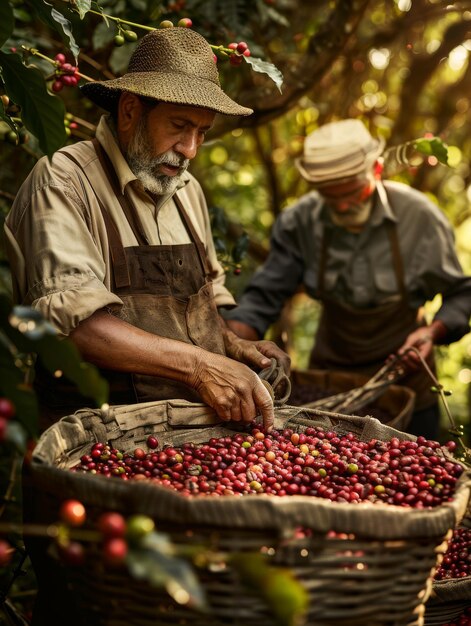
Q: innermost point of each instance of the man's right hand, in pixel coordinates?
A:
(232, 389)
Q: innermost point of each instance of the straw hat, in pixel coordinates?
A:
(337, 151)
(170, 65)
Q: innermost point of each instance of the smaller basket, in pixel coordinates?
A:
(394, 407)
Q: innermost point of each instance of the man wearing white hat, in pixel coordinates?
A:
(111, 241)
(373, 252)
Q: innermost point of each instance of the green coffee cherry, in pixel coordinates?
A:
(129, 35)
(118, 40)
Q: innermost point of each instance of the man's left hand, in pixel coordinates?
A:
(422, 339)
(255, 353)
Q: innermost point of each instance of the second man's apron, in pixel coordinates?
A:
(359, 340)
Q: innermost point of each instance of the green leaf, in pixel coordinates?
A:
(154, 562)
(102, 36)
(7, 21)
(286, 597)
(29, 332)
(41, 112)
(44, 12)
(432, 147)
(240, 248)
(264, 67)
(12, 386)
(83, 7)
(64, 22)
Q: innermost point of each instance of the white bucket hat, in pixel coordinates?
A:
(338, 150)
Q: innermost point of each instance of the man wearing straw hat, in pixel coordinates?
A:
(111, 241)
(373, 252)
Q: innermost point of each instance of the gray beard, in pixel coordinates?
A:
(355, 218)
(145, 167)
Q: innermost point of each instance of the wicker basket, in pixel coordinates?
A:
(449, 598)
(380, 574)
(396, 402)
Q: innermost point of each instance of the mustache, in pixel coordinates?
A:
(170, 158)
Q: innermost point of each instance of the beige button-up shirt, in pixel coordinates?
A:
(56, 238)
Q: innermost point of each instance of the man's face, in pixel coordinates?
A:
(165, 139)
(349, 201)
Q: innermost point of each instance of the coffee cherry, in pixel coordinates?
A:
(241, 47)
(139, 526)
(166, 24)
(115, 551)
(7, 409)
(3, 428)
(152, 442)
(6, 552)
(185, 22)
(234, 59)
(232, 46)
(129, 35)
(57, 86)
(72, 512)
(72, 553)
(60, 58)
(5, 100)
(112, 525)
(118, 40)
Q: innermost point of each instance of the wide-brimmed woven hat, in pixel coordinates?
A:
(338, 150)
(170, 65)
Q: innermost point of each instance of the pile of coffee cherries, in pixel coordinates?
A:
(316, 462)
(457, 560)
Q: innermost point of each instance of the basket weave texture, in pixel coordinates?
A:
(396, 401)
(379, 573)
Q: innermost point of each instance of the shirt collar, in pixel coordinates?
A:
(109, 143)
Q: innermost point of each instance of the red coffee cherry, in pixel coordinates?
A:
(72, 553)
(6, 552)
(72, 512)
(7, 408)
(112, 524)
(115, 551)
(185, 22)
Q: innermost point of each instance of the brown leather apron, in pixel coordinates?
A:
(165, 289)
(359, 340)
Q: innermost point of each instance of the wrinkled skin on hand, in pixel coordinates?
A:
(257, 354)
(423, 339)
(232, 389)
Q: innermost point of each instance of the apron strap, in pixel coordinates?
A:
(128, 210)
(193, 234)
(119, 265)
(396, 259)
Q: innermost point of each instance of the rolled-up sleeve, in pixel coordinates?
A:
(56, 260)
(438, 271)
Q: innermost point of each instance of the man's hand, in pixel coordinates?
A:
(233, 390)
(423, 339)
(257, 353)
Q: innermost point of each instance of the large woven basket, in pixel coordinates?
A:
(393, 407)
(449, 598)
(381, 574)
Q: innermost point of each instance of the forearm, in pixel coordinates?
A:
(243, 330)
(112, 343)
